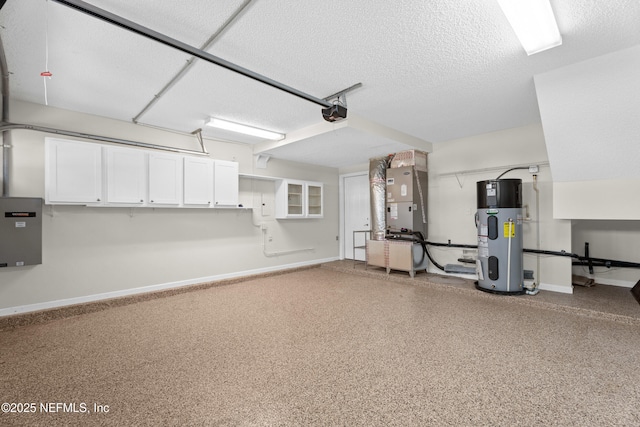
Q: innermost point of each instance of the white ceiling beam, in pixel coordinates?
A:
(353, 121)
(299, 135)
(365, 125)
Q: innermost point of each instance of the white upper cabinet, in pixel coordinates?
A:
(73, 172)
(313, 192)
(290, 199)
(298, 199)
(165, 179)
(126, 175)
(85, 173)
(225, 184)
(198, 181)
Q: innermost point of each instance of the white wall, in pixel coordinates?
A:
(589, 111)
(90, 251)
(454, 169)
(616, 240)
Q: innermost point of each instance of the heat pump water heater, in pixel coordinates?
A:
(499, 222)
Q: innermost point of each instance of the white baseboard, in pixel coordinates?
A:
(556, 288)
(152, 288)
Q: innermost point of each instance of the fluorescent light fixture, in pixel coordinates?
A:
(244, 129)
(533, 23)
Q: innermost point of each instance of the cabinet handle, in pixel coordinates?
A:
(141, 201)
(151, 201)
(98, 200)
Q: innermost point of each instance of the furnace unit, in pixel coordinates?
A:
(399, 192)
(406, 200)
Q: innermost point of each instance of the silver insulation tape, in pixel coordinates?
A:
(378, 192)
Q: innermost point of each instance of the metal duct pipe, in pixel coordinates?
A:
(6, 135)
(191, 61)
(198, 53)
(378, 191)
(10, 126)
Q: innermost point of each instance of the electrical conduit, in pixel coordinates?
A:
(6, 134)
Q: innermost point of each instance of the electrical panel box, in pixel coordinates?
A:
(20, 231)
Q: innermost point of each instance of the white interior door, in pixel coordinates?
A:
(356, 215)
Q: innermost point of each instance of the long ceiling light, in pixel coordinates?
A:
(534, 24)
(244, 129)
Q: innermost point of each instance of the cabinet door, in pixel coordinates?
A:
(73, 172)
(225, 184)
(290, 199)
(314, 199)
(295, 199)
(165, 179)
(198, 181)
(126, 175)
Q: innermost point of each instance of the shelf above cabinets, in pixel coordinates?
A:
(81, 173)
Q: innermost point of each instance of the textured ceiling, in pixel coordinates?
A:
(437, 70)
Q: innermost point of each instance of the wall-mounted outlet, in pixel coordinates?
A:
(533, 169)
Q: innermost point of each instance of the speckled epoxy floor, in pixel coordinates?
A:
(324, 347)
(600, 300)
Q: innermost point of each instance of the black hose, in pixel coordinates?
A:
(452, 245)
(423, 243)
(416, 236)
(581, 260)
(512, 169)
(534, 251)
(555, 253)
